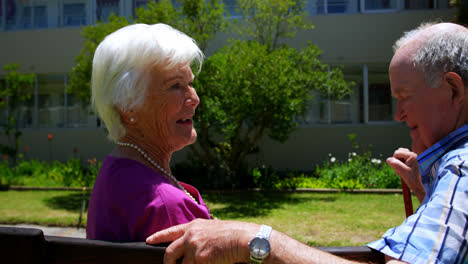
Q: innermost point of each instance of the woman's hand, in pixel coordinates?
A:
(206, 241)
(405, 164)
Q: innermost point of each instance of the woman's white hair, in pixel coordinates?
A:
(122, 65)
(441, 52)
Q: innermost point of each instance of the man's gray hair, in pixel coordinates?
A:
(123, 63)
(440, 52)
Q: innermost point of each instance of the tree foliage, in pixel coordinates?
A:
(17, 89)
(255, 88)
(269, 21)
(462, 11)
(199, 19)
(80, 76)
(248, 92)
(249, 89)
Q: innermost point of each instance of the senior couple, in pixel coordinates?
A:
(142, 90)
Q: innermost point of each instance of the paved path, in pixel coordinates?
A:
(57, 231)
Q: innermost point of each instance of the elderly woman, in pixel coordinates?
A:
(142, 90)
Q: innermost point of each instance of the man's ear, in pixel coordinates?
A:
(457, 87)
(128, 116)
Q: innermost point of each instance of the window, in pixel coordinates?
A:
(426, 4)
(332, 6)
(231, 7)
(105, 8)
(74, 14)
(51, 101)
(140, 3)
(322, 110)
(378, 5)
(39, 16)
(13, 10)
(380, 102)
(23, 112)
(2, 9)
(79, 115)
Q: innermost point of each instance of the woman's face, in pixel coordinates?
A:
(165, 119)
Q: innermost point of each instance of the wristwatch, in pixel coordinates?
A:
(259, 246)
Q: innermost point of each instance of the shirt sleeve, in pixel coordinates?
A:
(170, 206)
(437, 231)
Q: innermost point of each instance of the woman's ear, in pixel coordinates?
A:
(457, 87)
(127, 117)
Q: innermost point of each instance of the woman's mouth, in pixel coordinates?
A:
(185, 121)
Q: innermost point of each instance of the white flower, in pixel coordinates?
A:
(332, 159)
(329, 154)
(354, 153)
(349, 160)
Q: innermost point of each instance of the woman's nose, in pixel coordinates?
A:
(191, 97)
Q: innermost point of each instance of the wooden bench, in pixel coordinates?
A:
(29, 245)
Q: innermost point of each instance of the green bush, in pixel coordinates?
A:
(361, 170)
(72, 173)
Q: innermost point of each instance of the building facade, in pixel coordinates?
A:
(43, 36)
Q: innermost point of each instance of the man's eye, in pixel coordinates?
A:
(176, 86)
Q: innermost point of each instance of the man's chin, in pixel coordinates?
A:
(418, 148)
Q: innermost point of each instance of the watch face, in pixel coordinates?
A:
(259, 247)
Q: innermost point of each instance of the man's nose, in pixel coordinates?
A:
(399, 113)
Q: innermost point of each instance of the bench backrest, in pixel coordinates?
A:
(29, 245)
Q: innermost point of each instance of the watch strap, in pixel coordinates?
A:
(255, 260)
(265, 232)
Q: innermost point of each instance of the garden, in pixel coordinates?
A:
(340, 218)
(233, 116)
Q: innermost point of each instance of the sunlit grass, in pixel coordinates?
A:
(318, 219)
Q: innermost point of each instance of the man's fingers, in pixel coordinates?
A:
(397, 165)
(175, 251)
(406, 156)
(166, 235)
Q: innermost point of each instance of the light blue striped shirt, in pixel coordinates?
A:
(437, 231)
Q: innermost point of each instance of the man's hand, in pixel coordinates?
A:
(206, 241)
(405, 164)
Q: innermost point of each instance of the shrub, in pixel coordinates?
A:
(72, 173)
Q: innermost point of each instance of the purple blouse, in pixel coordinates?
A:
(130, 201)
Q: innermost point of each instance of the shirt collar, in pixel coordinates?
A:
(432, 154)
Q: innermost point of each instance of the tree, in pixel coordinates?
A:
(248, 92)
(462, 12)
(16, 90)
(269, 21)
(199, 19)
(254, 88)
(80, 76)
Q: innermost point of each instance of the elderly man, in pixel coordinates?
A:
(429, 77)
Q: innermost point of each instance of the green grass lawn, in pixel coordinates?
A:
(318, 219)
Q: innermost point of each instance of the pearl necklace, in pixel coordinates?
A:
(165, 173)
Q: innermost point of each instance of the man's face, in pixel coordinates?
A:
(428, 112)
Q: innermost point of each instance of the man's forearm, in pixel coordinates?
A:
(287, 250)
